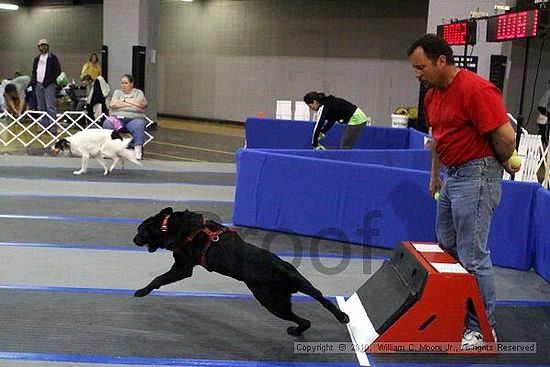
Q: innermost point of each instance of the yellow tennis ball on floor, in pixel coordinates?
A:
(436, 196)
(515, 161)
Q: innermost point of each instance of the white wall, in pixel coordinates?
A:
(232, 59)
(129, 23)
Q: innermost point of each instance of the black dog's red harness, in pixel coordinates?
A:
(212, 237)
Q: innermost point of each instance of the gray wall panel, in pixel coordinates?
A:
(232, 59)
(74, 32)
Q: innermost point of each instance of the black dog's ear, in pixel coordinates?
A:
(167, 211)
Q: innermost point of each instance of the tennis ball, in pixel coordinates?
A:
(515, 161)
(436, 196)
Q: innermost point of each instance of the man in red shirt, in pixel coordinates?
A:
(474, 140)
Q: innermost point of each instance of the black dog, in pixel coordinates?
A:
(197, 241)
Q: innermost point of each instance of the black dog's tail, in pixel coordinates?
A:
(115, 135)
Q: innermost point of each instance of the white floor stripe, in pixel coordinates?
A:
(148, 164)
(362, 357)
(120, 190)
(84, 268)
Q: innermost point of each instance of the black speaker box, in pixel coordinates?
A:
(497, 72)
(105, 62)
(138, 67)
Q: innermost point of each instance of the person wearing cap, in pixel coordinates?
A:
(45, 70)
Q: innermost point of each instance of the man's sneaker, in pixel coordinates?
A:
(474, 339)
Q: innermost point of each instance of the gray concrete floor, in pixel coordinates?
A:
(36, 227)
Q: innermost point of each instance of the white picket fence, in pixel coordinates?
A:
(26, 130)
(533, 156)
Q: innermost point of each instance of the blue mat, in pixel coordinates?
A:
(287, 134)
(359, 203)
(376, 195)
(542, 233)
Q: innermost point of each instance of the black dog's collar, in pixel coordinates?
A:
(164, 225)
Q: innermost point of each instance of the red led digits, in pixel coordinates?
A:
(459, 33)
(455, 34)
(511, 26)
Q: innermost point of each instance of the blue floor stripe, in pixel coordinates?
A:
(98, 247)
(454, 365)
(120, 360)
(298, 298)
(523, 303)
(295, 297)
(80, 218)
(75, 219)
(74, 246)
(160, 183)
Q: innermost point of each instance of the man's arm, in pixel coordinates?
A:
(435, 176)
(503, 139)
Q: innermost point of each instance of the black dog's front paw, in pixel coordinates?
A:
(294, 331)
(343, 318)
(142, 292)
(298, 330)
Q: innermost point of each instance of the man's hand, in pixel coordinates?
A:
(513, 165)
(435, 184)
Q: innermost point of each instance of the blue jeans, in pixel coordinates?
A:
(136, 127)
(45, 98)
(469, 196)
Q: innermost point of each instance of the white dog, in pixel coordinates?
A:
(97, 143)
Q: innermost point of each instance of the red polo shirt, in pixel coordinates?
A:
(461, 117)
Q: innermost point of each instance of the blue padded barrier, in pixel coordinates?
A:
(419, 159)
(417, 139)
(511, 239)
(351, 202)
(542, 233)
(335, 194)
(289, 134)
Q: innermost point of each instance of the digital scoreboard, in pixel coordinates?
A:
(516, 25)
(459, 33)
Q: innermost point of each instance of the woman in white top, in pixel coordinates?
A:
(128, 105)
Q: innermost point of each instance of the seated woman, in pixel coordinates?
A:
(91, 67)
(128, 105)
(15, 105)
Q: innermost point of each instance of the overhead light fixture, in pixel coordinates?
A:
(4, 6)
(187, 1)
